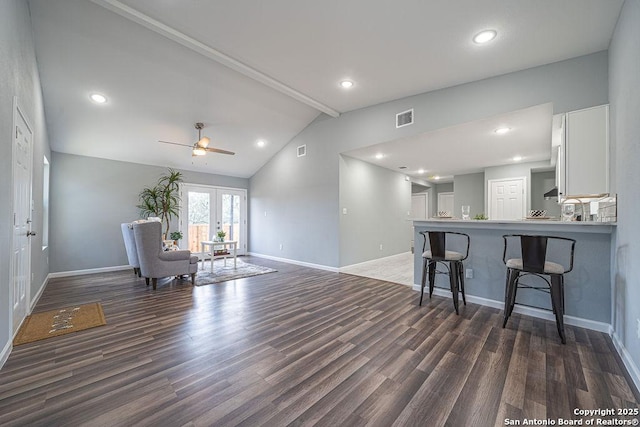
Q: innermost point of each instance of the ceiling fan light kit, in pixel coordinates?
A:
(201, 146)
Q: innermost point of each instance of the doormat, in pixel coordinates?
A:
(222, 273)
(63, 321)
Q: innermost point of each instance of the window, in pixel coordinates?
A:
(45, 204)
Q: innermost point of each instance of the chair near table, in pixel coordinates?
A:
(451, 260)
(533, 262)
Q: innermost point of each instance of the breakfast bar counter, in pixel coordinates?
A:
(587, 287)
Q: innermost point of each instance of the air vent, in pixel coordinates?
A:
(404, 119)
(302, 150)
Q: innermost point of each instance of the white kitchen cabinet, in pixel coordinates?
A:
(586, 152)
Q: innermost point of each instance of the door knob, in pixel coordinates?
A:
(31, 233)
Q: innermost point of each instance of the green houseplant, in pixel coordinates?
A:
(163, 199)
(175, 236)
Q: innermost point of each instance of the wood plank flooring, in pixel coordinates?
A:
(300, 347)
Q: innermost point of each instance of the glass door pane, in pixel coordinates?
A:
(199, 219)
(230, 216)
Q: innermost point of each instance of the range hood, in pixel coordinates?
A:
(551, 193)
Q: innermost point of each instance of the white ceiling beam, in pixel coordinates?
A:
(211, 53)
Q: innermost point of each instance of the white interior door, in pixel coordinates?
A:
(207, 210)
(419, 206)
(445, 203)
(507, 198)
(21, 247)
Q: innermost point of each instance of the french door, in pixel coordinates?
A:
(208, 210)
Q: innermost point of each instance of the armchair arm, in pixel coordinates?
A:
(179, 255)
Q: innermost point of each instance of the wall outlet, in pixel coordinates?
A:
(344, 211)
(281, 246)
(380, 246)
(638, 328)
(468, 274)
(265, 213)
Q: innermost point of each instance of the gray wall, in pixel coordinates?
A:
(541, 182)
(378, 203)
(19, 77)
(511, 171)
(468, 190)
(91, 197)
(301, 194)
(624, 81)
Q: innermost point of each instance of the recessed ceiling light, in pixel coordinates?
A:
(261, 143)
(517, 158)
(420, 171)
(98, 98)
(346, 84)
(502, 131)
(379, 156)
(436, 177)
(485, 36)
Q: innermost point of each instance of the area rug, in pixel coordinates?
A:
(222, 273)
(63, 321)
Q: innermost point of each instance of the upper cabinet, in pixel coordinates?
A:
(583, 152)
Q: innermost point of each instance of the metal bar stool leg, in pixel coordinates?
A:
(424, 278)
(461, 281)
(509, 294)
(556, 302)
(432, 277)
(453, 281)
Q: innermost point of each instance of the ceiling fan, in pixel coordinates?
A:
(200, 147)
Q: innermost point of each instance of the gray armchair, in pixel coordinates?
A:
(130, 246)
(156, 263)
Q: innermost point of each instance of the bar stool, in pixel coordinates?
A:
(438, 254)
(533, 262)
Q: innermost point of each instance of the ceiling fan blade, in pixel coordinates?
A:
(218, 150)
(175, 143)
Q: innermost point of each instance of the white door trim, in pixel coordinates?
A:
(19, 111)
(525, 193)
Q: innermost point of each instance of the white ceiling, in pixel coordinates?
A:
(158, 88)
(468, 147)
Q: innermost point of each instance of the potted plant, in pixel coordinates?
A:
(220, 235)
(175, 236)
(163, 199)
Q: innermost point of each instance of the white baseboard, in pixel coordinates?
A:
(88, 271)
(632, 368)
(35, 300)
(295, 262)
(371, 261)
(529, 311)
(6, 351)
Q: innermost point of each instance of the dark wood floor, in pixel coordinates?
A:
(299, 347)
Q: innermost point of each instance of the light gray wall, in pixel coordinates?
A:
(511, 171)
(378, 203)
(468, 189)
(19, 77)
(624, 83)
(91, 197)
(301, 194)
(541, 182)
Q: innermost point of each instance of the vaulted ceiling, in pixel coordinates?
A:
(255, 70)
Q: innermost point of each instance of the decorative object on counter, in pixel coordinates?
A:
(444, 214)
(480, 217)
(466, 209)
(568, 210)
(163, 199)
(537, 214)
